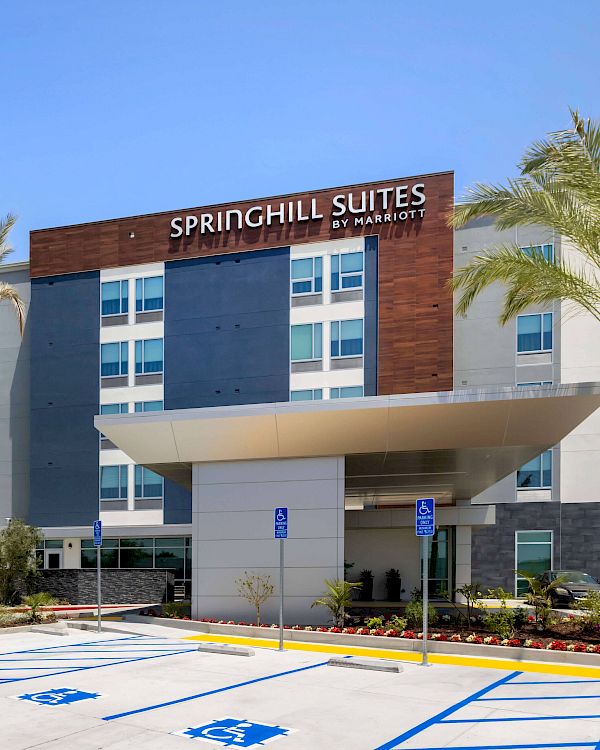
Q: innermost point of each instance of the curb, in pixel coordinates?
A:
(381, 642)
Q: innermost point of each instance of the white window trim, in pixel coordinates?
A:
(348, 273)
(114, 499)
(535, 351)
(120, 374)
(312, 278)
(537, 531)
(346, 356)
(121, 282)
(539, 489)
(312, 359)
(154, 372)
(143, 279)
(146, 497)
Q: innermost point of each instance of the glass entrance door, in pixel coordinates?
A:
(53, 559)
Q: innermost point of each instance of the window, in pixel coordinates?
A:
(347, 391)
(534, 333)
(115, 297)
(147, 484)
(346, 271)
(168, 552)
(149, 294)
(306, 342)
(148, 356)
(309, 394)
(547, 251)
(536, 474)
(307, 276)
(439, 567)
(113, 482)
(113, 359)
(149, 406)
(533, 555)
(347, 338)
(534, 384)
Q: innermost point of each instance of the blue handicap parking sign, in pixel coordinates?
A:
(57, 696)
(281, 523)
(230, 732)
(425, 516)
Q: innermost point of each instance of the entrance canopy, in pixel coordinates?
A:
(456, 443)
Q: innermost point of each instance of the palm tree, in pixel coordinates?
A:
(7, 291)
(559, 187)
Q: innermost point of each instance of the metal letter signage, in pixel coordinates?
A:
(425, 516)
(281, 523)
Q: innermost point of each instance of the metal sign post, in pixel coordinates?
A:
(281, 532)
(425, 527)
(98, 546)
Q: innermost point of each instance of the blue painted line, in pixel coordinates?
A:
(212, 692)
(94, 666)
(554, 682)
(69, 645)
(519, 718)
(515, 747)
(540, 698)
(447, 712)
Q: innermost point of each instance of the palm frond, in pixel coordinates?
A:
(9, 293)
(530, 279)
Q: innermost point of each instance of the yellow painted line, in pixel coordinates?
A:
(571, 670)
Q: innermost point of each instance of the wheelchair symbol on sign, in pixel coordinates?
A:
(280, 515)
(423, 508)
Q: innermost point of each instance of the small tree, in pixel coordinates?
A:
(539, 597)
(255, 589)
(18, 566)
(337, 597)
(35, 601)
(471, 594)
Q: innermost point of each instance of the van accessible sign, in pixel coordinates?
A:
(385, 205)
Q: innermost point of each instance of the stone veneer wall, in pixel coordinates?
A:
(120, 586)
(576, 539)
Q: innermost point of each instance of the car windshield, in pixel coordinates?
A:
(574, 576)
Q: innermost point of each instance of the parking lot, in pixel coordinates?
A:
(155, 690)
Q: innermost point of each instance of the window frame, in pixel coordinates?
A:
(541, 316)
(123, 347)
(340, 388)
(124, 284)
(142, 343)
(140, 282)
(331, 339)
(143, 496)
(123, 469)
(313, 327)
(542, 246)
(312, 391)
(312, 279)
(142, 405)
(541, 471)
(535, 384)
(516, 557)
(342, 274)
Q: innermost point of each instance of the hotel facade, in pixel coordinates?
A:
(184, 373)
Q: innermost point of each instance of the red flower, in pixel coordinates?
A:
(335, 630)
(557, 646)
(391, 633)
(580, 647)
(351, 631)
(537, 644)
(363, 631)
(514, 642)
(409, 634)
(530, 618)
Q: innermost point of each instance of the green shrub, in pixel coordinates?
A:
(501, 622)
(414, 614)
(397, 623)
(374, 623)
(591, 606)
(177, 610)
(35, 601)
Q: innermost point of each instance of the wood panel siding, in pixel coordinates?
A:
(415, 261)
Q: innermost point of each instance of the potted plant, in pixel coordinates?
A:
(366, 591)
(393, 584)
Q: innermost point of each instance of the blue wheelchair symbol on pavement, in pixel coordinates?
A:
(57, 696)
(230, 732)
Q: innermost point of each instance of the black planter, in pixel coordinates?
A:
(366, 590)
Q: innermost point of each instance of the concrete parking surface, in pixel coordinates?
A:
(155, 691)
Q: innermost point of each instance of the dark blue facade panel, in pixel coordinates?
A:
(371, 315)
(64, 320)
(226, 338)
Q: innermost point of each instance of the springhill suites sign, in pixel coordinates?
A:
(385, 205)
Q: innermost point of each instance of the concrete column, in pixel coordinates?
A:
(232, 526)
(463, 557)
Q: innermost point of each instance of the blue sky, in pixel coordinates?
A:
(115, 108)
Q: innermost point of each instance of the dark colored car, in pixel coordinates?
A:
(575, 587)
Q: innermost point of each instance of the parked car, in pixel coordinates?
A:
(575, 587)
